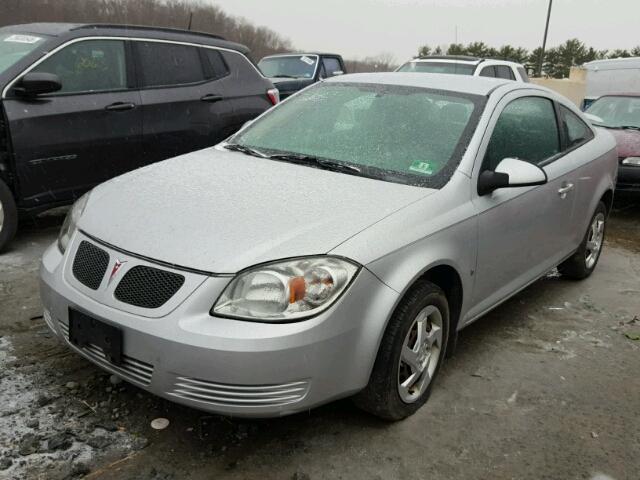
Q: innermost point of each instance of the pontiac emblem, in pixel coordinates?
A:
(114, 270)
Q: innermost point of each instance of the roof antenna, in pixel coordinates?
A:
(190, 20)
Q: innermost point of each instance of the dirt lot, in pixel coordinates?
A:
(545, 387)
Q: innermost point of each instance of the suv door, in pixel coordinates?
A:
(89, 131)
(523, 232)
(185, 105)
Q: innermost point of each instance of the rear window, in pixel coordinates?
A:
(438, 67)
(167, 64)
(523, 74)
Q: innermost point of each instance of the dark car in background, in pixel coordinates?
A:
(620, 114)
(81, 104)
(291, 72)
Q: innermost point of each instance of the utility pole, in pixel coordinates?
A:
(544, 40)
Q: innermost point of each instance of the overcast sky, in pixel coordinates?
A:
(360, 28)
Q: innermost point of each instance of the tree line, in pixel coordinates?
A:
(196, 15)
(557, 61)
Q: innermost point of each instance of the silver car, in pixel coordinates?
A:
(333, 247)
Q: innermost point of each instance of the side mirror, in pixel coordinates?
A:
(37, 83)
(511, 172)
(594, 118)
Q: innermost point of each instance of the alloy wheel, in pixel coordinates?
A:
(420, 354)
(594, 240)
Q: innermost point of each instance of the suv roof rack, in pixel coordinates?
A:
(147, 28)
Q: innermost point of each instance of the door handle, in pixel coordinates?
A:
(211, 98)
(566, 188)
(120, 106)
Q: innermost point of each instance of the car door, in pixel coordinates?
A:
(87, 132)
(185, 105)
(525, 231)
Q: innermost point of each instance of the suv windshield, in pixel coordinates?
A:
(438, 67)
(401, 134)
(295, 66)
(616, 112)
(14, 46)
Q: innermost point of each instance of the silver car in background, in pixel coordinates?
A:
(333, 247)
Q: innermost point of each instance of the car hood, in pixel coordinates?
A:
(221, 211)
(628, 142)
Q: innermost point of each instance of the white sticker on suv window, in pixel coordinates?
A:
(307, 60)
(16, 38)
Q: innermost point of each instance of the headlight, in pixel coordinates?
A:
(635, 161)
(287, 290)
(71, 221)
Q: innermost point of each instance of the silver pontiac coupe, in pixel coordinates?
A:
(333, 247)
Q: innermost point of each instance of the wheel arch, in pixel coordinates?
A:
(607, 199)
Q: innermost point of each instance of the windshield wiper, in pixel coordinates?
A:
(236, 147)
(629, 127)
(284, 76)
(315, 161)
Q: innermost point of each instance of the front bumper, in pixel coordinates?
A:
(628, 179)
(227, 366)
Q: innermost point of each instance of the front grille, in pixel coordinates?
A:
(134, 370)
(239, 395)
(90, 265)
(148, 287)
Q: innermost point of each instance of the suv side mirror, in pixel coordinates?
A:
(511, 172)
(37, 83)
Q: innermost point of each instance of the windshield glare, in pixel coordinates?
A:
(617, 112)
(297, 66)
(438, 67)
(403, 134)
(14, 46)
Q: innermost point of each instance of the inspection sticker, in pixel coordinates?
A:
(307, 60)
(16, 38)
(422, 167)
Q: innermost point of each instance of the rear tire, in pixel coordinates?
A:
(410, 355)
(582, 263)
(8, 216)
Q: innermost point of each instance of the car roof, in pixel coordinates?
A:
(437, 81)
(160, 33)
(462, 59)
(621, 94)
(320, 54)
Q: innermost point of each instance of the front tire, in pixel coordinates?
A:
(582, 263)
(8, 216)
(410, 355)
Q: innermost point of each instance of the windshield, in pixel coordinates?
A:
(14, 46)
(395, 133)
(617, 112)
(438, 67)
(295, 66)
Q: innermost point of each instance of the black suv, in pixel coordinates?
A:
(83, 103)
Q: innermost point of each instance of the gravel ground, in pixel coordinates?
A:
(544, 387)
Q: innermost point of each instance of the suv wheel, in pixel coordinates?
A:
(8, 216)
(410, 355)
(582, 263)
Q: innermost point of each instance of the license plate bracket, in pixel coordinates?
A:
(85, 330)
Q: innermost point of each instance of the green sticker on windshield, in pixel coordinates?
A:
(422, 167)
